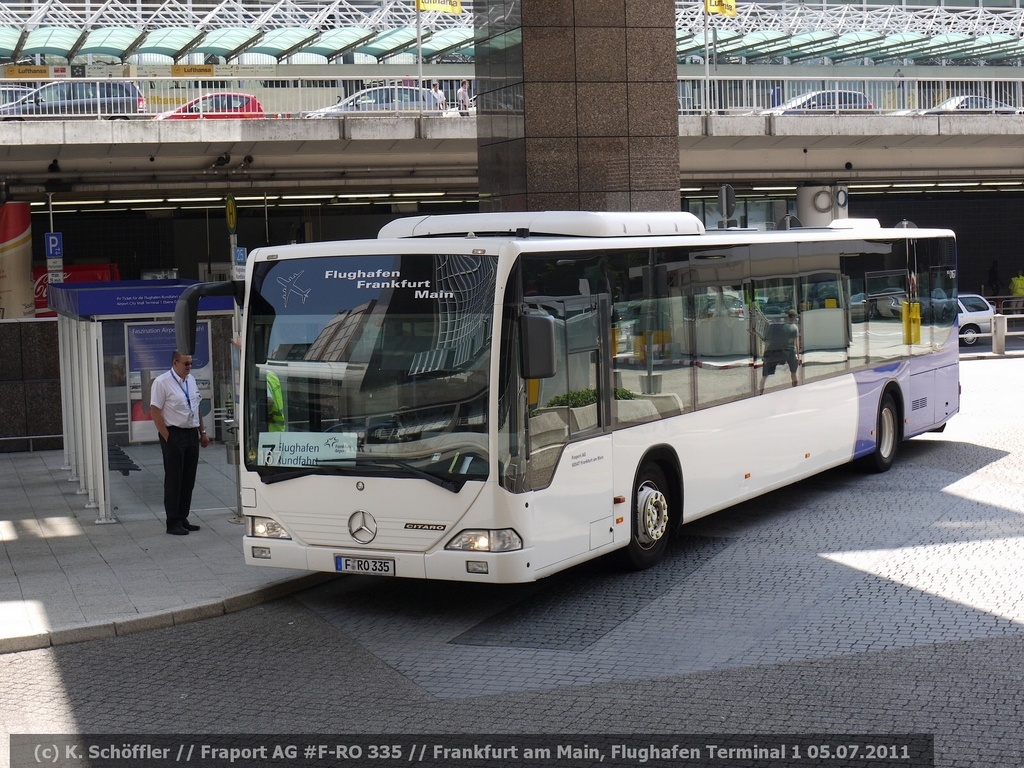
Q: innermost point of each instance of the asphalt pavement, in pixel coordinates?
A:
(876, 605)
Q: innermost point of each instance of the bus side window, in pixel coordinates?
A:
(825, 335)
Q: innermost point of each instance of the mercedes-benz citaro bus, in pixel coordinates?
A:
(498, 397)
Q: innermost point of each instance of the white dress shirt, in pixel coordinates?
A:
(169, 395)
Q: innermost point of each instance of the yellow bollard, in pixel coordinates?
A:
(911, 315)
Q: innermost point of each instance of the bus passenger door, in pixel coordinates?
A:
(573, 515)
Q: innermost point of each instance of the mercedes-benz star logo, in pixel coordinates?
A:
(362, 527)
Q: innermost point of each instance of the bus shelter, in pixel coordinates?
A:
(145, 311)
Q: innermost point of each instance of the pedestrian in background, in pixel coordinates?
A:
(462, 98)
(174, 406)
(440, 102)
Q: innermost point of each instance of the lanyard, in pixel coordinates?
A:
(183, 386)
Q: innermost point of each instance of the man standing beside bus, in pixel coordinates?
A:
(174, 406)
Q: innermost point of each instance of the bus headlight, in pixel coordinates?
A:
(501, 540)
(265, 528)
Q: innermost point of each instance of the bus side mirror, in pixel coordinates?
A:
(537, 334)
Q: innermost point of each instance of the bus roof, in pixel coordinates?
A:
(564, 223)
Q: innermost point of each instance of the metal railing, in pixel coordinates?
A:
(999, 334)
(283, 97)
(30, 439)
(846, 95)
(144, 98)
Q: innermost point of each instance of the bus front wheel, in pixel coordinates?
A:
(650, 524)
(887, 438)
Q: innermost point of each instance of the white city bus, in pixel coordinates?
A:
(497, 397)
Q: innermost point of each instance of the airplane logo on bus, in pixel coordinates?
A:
(288, 283)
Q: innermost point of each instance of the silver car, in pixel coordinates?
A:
(383, 98)
(975, 317)
(834, 102)
(9, 93)
(978, 105)
(111, 99)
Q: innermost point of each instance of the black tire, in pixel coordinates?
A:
(969, 335)
(650, 519)
(887, 438)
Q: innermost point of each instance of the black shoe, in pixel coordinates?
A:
(177, 531)
(189, 527)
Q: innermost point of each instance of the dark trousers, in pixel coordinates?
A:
(181, 459)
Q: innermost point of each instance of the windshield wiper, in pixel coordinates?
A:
(448, 485)
(383, 463)
(331, 466)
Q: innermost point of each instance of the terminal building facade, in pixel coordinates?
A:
(901, 55)
(305, 55)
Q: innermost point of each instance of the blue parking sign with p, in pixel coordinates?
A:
(54, 245)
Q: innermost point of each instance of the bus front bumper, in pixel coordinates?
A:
(443, 565)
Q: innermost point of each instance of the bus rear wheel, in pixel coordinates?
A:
(887, 438)
(648, 540)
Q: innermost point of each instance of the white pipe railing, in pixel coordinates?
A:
(725, 94)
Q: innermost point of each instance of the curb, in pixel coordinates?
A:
(162, 619)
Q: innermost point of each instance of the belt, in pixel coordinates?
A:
(183, 429)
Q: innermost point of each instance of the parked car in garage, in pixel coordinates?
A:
(383, 98)
(975, 317)
(964, 105)
(112, 99)
(470, 112)
(823, 102)
(9, 93)
(216, 106)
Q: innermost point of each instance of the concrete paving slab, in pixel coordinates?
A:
(67, 579)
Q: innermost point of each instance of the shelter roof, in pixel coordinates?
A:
(761, 32)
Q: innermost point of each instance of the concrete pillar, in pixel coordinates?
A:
(818, 206)
(577, 106)
(999, 334)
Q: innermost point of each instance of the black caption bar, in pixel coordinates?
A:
(473, 750)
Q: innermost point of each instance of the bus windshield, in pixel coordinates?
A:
(371, 364)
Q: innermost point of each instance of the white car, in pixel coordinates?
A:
(454, 111)
(975, 317)
(382, 98)
(834, 102)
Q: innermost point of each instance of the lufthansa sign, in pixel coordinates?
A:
(191, 70)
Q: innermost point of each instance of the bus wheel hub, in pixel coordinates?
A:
(651, 515)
